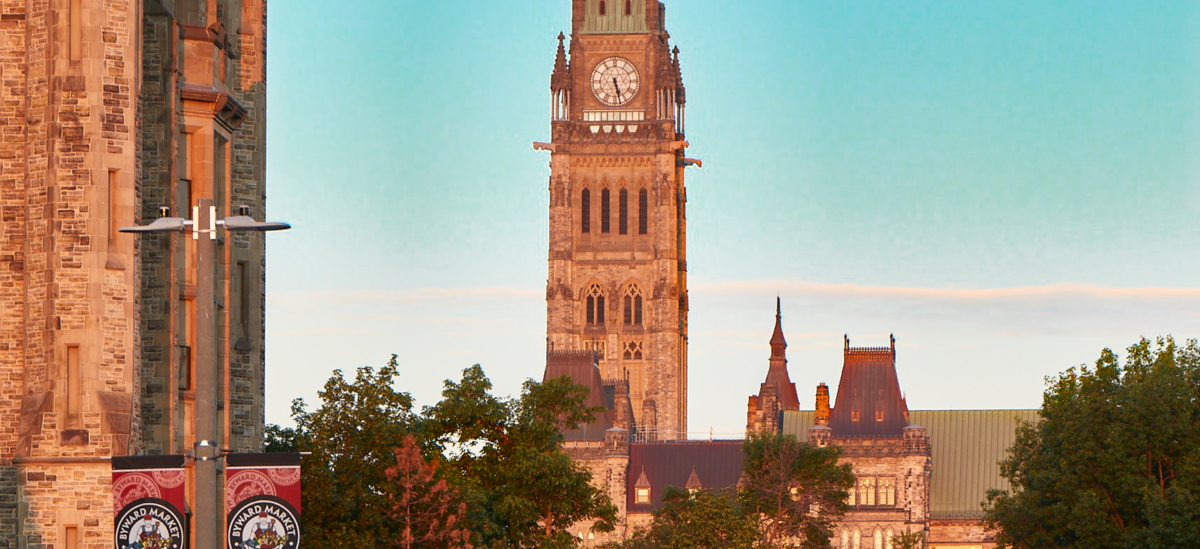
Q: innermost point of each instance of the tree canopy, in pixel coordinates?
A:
(1114, 461)
(380, 474)
(705, 518)
(797, 488)
(791, 494)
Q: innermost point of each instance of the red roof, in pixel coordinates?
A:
(581, 367)
(869, 402)
(717, 465)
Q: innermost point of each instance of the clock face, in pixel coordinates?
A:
(615, 81)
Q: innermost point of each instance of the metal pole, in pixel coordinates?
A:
(207, 517)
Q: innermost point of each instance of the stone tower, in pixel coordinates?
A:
(111, 109)
(777, 393)
(617, 260)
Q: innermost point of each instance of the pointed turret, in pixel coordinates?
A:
(777, 393)
(561, 79)
(682, 99)
(777, 374)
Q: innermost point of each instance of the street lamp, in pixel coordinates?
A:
(205, 451)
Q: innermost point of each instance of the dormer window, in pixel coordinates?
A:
(641, 495)
(879, 415)
(854, 415)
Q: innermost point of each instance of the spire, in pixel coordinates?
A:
(561, 78)
(777, 374)
(693, 482)
(679, 77)
(778, 343)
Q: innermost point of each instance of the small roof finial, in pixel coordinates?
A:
(847, 336)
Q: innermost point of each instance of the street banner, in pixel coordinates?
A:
(148, 497)
(262, 501)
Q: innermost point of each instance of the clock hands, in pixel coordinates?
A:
(617, 86)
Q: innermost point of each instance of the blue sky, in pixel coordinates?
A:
(1007, 186)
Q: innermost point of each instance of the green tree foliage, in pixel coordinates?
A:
(427, 510)
(1114, 461)
(280, 439)
(797, 489)
(501, 473)
(347, 493)
(505, 455)
(706, 518)
(909, 540)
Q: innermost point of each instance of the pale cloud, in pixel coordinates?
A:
(415, 295)
(949, 294)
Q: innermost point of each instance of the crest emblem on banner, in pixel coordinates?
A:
(149, 524)
(264, 522)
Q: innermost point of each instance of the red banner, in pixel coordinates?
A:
(148, 496)
(262, 501)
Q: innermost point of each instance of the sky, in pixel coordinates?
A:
(1007, 187)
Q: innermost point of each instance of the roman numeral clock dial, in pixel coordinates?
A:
(615, 81)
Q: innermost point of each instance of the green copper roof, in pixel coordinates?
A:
(967, 446)
(614, 20)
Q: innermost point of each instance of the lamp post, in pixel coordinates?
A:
(206, 451)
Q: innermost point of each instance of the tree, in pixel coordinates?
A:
(429, 511)
(506, 456)
(280, 439)
(347, 493)
(798, 489)
(909, 540)
(705, 518)
(1114, 461)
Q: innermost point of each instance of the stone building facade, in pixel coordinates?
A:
(617, 304)
(112, 109)
(617, 280)
(892, 459)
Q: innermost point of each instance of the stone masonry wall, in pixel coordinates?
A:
(8, 507)
(60, 496)
(247, 187)
(157, 156)
(13, 214)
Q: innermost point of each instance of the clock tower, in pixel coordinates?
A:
(617, 280)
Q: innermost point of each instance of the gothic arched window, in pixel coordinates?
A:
(878, 538)
(604, 211)
(623, 212)
(633, 306)
(887, 491)
(866, 491)
(585, 211)
(595, 306)
(643, 211)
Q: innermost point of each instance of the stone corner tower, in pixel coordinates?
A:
(617, 279)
